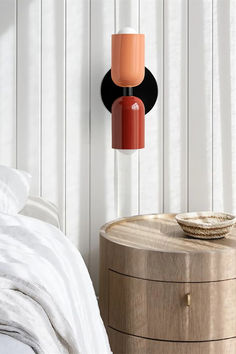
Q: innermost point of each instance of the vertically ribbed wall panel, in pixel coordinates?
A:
(53, 56)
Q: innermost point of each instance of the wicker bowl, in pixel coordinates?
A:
(206, 225)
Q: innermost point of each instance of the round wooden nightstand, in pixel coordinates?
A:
(164, 293)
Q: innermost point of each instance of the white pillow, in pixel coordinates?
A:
(14, 189)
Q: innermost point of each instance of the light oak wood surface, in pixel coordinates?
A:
(122, 343)
(165, 253)
(159, 310)
(162, 292)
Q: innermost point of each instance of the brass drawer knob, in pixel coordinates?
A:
(188, 299)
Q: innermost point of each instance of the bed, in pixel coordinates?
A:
(47, 215)
(41, 209)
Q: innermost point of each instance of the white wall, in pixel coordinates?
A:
(53, 56)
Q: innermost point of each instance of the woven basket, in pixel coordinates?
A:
(206, 225)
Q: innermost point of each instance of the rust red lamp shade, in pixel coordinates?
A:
(128, 127)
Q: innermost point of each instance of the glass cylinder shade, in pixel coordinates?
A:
(127, 63)
(128, 127)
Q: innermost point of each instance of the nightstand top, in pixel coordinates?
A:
(160, 232)
(138, 245)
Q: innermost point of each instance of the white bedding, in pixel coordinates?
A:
(46, 296)
(10, 345)
(41, 209)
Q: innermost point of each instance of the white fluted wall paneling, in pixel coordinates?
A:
(224, 105)
(78, 123)
(200, 104)
(102, 188)
(151, 158)
(28, 89)
(53, 103)
(8, 46)
(175, 16)
(53, 56)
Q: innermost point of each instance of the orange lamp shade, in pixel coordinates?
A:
(127, 59)
(128, 127)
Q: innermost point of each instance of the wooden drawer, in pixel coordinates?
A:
(158, 310)
(127, 344)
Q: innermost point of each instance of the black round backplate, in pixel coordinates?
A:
(147, 91)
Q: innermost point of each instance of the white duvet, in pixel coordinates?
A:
(46, 296)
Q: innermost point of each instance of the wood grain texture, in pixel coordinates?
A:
(154, 247)
(158, 310)
(161, 292)
(126, 344)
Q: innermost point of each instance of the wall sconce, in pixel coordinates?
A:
(128, 90)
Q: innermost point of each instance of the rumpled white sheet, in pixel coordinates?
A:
(46, 296)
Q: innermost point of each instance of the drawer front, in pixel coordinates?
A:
(163, 310)
(127, 344)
